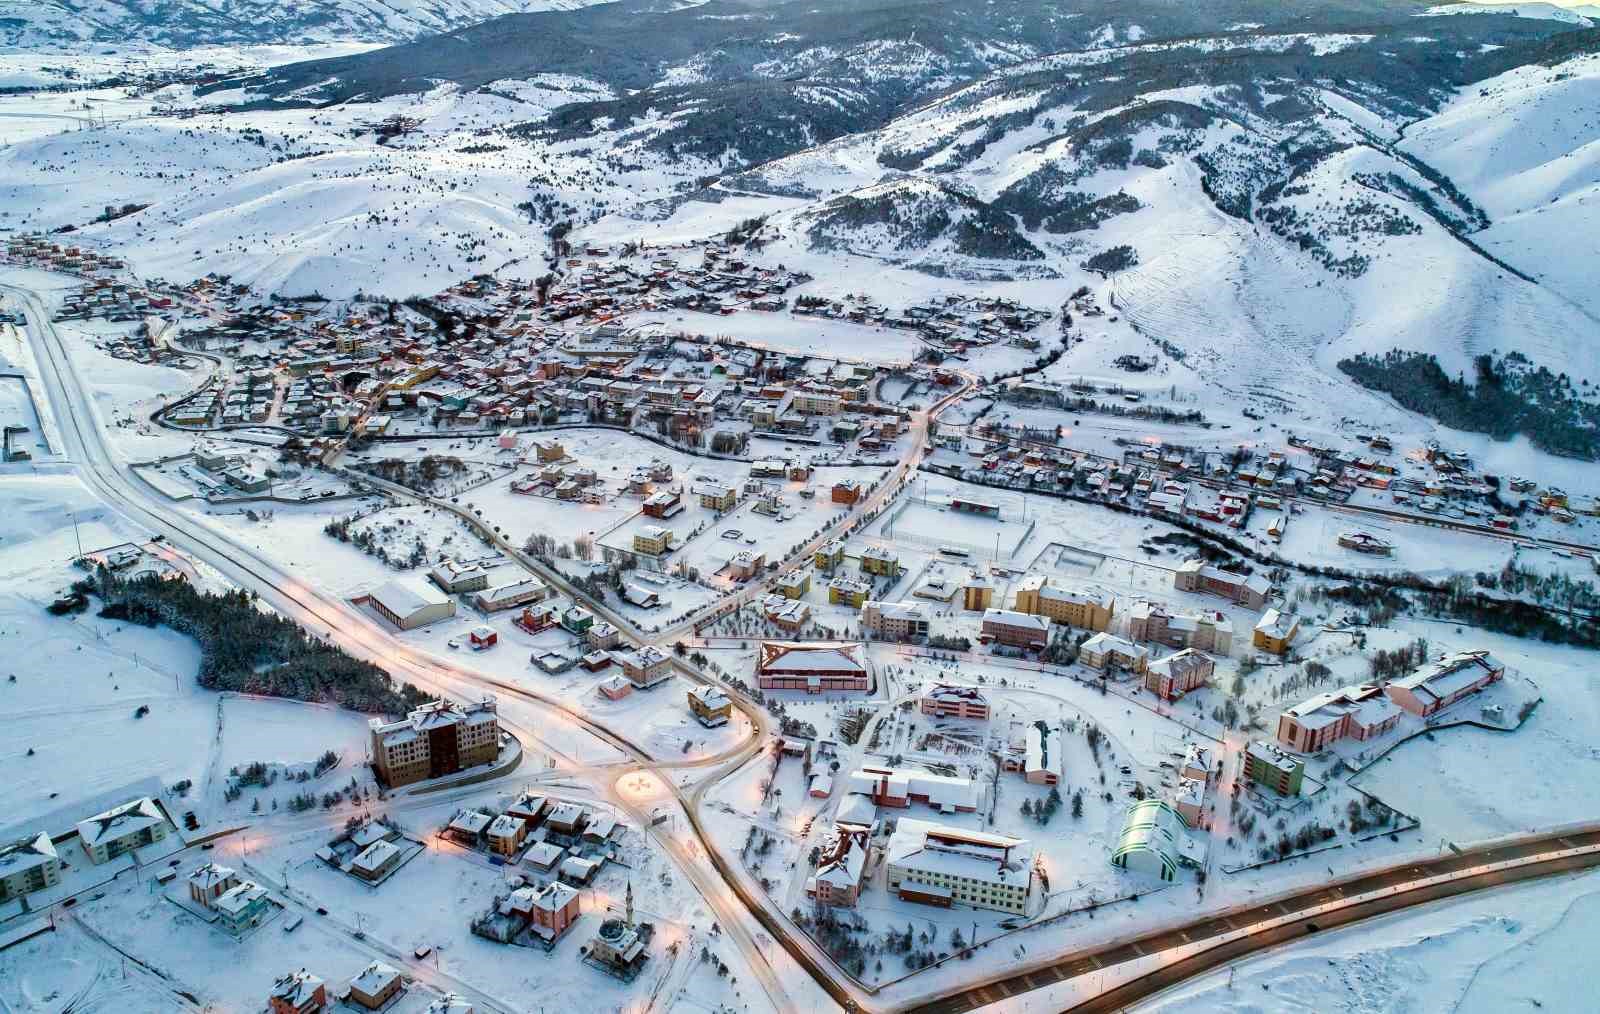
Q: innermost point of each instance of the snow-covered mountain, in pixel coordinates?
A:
(57, 24)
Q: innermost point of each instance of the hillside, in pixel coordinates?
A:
(61, 24)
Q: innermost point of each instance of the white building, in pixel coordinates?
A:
(940, 865)
(410, 602)
(122, 829)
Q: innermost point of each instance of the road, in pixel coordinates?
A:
(1398, 887)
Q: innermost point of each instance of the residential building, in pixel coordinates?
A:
(28, 865)
(469, 826)
(437, 739)
(376, 985)
(1107, 651)
(1196, 763)
(746, 564)
(1090, 610)
(1021, 630)
(242, 906)
(652, 540)
(374, 862)
(900, 787)
(615, 687)
(794, 584)
(506, 834)
(1152, 840)
(210, 882)
(841, 863)
(548, 911)
(645, 666)
(1445, 681)
(409, 602)
(121, 829)
(786, 614)
(298, 993)
(455, 577)
(879, 561)
(715, 495)
(830, 556)
(1206, 631)
(1268, 766)
(847, 491)
(844, 591)
(710, 706)
(508, 588)
(940, 865)
(1171, 677)
(1188, 797)
(663, 504)
(813, 667)
(895, 621)
(1275, 632)
(1357, 712)
(943, 700)
(977, 595)
(1196, 575)
(577, 620)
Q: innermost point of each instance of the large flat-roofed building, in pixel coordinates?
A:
(897, 621)
(122, 829)
(1207, 631)
(1268, 766)
(940, 865)
(942, 700)
(1104, 651)
(1354, 712)
(1018, 630)
(900, 787)
(1198, 576)
(410, 602)
(508, 588)
(28, 865)
(1171, 677)
(436, 739)
(815, 668)
(1445, 681)
(1090, 610)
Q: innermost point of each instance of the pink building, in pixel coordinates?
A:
(1354, 712)
(1442, 683)
(945, 701)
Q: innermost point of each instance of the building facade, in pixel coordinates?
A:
(434, 740)
(1090, 610)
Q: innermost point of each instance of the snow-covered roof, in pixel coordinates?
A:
(471, 822)
(940, 790)
(1012, 618)
(921, 846)
(130, 818)
(505, 826)
(1277, 624)
(1450, 674)
(296, 988)
(27, 854)
(205, 877)
(374, 856)
(240, 897)
(405, 596)
(778, 657)
(375, 978)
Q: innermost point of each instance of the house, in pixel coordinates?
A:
(840, 865)
(900, 787)
(1108, 651)
(376, 985)
(1152, 839)
(603, 636)
(663, 504)
(794, 584)
(1276, 631)
(939, 865)
(1171, 677)
(786, 614)
(298, 993)
(509, 588)
(547, 911)
(615, 687)
(879, 562)
(1445, 681)
(895, 621)
(374, 862)
(1196, 575)
(944, 700)
(567, 818)
(482, 637)
(577, 620)
(242, 906)
(644, 666)
(847, 491)
(844, 591)
(122, 829)
(1090, 610)
(715, 495)
(506, 834)
(543, 856)
(1019, 630)
(814, 667)
(1354, 712)
(468, 827)
(1268, 766)
(209, 882)
(578, 870)
(409, 603)
(437, 739)
(710, 706)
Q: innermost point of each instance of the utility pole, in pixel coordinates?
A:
(75, 534)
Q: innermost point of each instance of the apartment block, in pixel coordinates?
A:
(436, 739)
(1090, 610)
